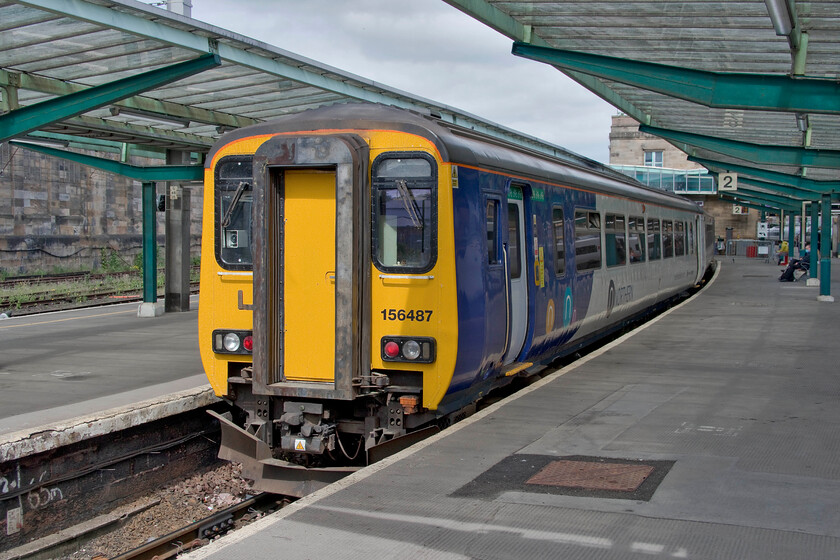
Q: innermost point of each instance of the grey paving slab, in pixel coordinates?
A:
(56, 366)
(739, 388)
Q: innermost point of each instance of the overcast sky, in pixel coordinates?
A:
(427, 48)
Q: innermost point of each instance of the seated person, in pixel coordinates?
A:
(804, 260)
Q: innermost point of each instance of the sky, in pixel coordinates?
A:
(429, 49)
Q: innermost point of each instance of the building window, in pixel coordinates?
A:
(653, 158)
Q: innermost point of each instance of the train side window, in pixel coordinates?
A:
(654, 240)
(587, 240)
(514, 250)
(616, 246)
(559, 241)
(493, 232)
(233, 180)
(636, 239)
(404, 228)
(691, 239)
(667, 239)
(679, 239)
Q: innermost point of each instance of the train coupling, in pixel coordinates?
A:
(304, 428)
(270, 474)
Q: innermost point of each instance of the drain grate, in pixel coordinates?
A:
(618, 477)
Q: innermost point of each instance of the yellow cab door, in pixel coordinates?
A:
(309, 273)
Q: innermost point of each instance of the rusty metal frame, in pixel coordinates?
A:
(348, 155)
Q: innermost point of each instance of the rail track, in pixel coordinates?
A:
(73, 290)
(205, 530)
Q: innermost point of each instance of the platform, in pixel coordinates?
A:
(69, 364)
(730, 403)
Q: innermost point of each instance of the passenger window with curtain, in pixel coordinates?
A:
(636, 239)
(654, 240)
(234, 197)
(493, 240)
(559, 241)
(679, 238)
(616, 246)
(514, 250)
(667, 239)
(404, 195)
(587, 240)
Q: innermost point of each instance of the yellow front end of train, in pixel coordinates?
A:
(328, 284)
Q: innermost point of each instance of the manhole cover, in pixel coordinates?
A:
(617, 477)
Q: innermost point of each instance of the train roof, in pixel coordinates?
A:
(464, 146)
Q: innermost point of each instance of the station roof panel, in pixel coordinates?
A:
(712, 36)
(52, 48)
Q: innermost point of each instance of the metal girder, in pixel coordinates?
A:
(768, 198)
(157, 136)
(33, 117)
(771, 176)
(144, 174)
(780, 189)
(496, 19)
(357, 88)
(54, 86)
(748, 151)
(767, 92)
(764, 208)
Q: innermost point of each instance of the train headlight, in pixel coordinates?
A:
(411, 349)
(228, 341)
(419, 349)
(231, 342)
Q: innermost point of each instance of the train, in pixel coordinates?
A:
(369, 273)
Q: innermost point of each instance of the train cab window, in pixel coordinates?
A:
(654, 240)
(514, 250)
(636, 239)
(667, 239)
(587, 240)
(559, 241)
(234, 197)
(493, 232)
(404, 212)
(615, 240)
(679, 239)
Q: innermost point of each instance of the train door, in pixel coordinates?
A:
(516, 267)
(309, 274)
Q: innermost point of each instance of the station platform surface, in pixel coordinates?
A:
(71, 364)
(729, 404)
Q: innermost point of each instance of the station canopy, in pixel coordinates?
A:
(126, 73)
(749, 87)
(741, 86)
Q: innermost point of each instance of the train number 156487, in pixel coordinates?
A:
(419, 315)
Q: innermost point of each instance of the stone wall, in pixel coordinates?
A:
(57, 214)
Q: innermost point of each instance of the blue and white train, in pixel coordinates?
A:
(368, 272)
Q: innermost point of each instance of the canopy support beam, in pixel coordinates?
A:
(32, 117)
(766, 92)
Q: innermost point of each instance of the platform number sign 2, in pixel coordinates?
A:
(727, 181)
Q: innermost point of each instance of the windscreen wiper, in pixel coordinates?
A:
(236, 196)
(410, 204)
